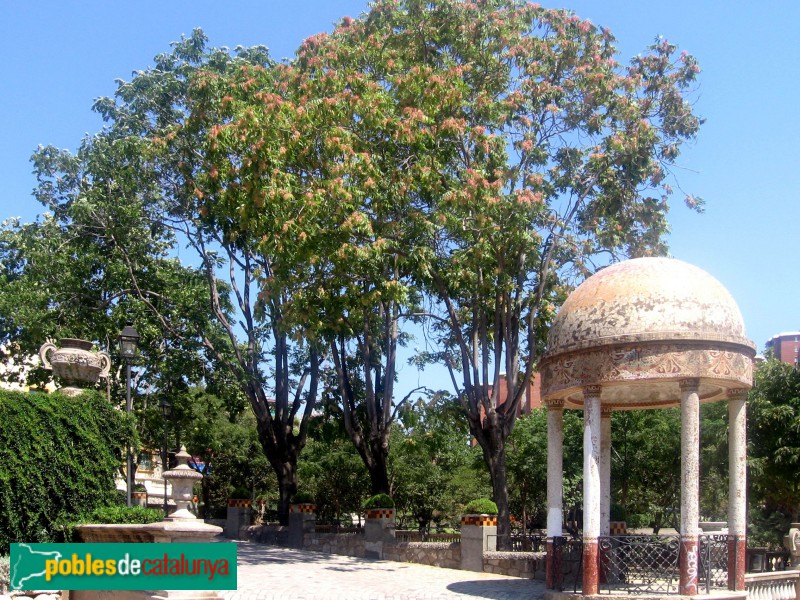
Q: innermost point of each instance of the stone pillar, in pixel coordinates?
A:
(555, 485)
(737, 488)
(690, 486)
(302, 519)
(605, 471)
(478, 535)
(240, 513)
(379, 529)
(591, 487)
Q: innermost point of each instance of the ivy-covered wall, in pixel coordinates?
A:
(58, 456)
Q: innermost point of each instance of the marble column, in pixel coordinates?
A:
(737, 487)
(690, 486)
(555, 484)
(591, 487)
(605, 471)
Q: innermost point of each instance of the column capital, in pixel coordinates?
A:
(605, 411)
(592, 390)
(690, 384)
(553, 403)
(738, 393)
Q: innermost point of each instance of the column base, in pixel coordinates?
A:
(737, 562)
(689, 565)
(591, 586)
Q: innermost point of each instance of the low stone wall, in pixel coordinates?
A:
(448, 555)
(273, 535)
(346, 544)
(530, 565)
(435, 554)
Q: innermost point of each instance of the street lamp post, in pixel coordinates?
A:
(166, 411)
(128, 340)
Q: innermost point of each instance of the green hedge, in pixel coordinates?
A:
(58, 455)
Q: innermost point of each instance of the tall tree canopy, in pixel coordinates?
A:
(479, 153)
(773, 431)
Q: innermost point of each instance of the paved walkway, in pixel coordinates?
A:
(269, 572)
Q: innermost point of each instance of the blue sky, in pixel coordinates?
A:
(59, 56)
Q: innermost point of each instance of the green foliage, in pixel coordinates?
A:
(527, 464)
(226, 442)
(646, 465)
(241, 493)
(303, 497)
(773, 434)
(379, 501)
(58, 456)
(107, 515)
(481, 506)
(124, 515)
(766, 528)
(432, 466)
(332, 472)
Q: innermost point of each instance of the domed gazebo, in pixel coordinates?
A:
(647, 333)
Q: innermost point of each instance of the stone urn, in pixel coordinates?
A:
(182, 478)
(74, 363)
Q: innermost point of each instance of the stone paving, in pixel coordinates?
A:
(270, 572)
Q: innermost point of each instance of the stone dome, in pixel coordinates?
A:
(646, 298)
(651, 321)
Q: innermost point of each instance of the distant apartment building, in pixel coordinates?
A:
(785, 347)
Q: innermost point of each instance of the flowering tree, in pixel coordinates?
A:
(482, 154)
(519, 151)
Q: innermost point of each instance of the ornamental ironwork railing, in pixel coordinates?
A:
(646, 564)
(530, 542)
(566, 566)
(421, 536)
(642, 564)
(713, 568)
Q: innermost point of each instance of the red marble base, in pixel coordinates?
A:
(552, 566)
(689, 565)
(591, 584)
(737, 562)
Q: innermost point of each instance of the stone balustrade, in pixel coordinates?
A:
(778, 585)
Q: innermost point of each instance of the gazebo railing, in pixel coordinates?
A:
(566, 566)
(641, 564)
(713, 573)
(644, 564)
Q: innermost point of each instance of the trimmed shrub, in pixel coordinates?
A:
(124, 515)
(481, 506)
(58, 455)
(379, 501)
(302, 498)
(241, 493)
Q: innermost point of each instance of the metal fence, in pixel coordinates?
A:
(529, 542)
(646, 564)
(640, 564)
(422, 536)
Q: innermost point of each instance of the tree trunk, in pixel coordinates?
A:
(378, 468)
(287, 488)
(493, 444)
(498, 474)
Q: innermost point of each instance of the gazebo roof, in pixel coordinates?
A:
(649, 321)
(646, 298)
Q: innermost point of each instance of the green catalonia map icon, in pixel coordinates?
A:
(28, 567)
